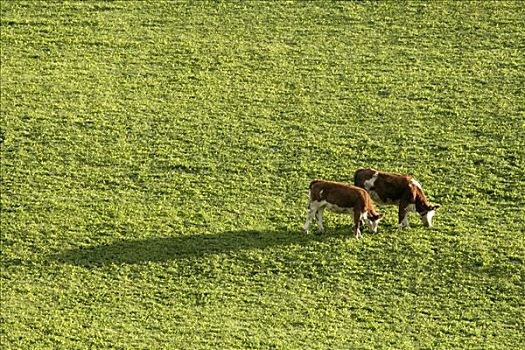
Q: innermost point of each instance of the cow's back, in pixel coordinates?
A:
(386, 187)
(337, 193)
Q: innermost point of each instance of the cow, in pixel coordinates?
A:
(341, 198)
(403, 190)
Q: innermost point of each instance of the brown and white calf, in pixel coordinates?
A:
(341, 198)
(403, 190)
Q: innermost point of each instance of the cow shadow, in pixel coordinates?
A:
(164, 249)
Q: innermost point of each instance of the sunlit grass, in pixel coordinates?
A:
(155, 159)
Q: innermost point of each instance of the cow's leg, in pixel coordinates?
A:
(357, 224)
(312, 209)
(319, 216)
(403, 214)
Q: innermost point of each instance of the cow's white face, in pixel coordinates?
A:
(372, 225)
(426, 218)
(372, 222)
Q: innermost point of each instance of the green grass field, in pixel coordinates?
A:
(155, 160)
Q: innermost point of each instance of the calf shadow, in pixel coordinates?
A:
(162, 249)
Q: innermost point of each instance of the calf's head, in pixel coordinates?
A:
(372, 220)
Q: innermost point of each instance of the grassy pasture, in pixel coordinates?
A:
(155, 158)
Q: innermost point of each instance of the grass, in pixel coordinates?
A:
(155, 159)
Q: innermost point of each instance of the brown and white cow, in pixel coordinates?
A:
(403, 190)
(341, 198)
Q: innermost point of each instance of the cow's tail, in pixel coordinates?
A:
(310, 194)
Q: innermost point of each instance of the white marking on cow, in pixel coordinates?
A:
(415, 183)
(319, 215)
(370, 182)
(427, 218)
(312, 209)
(372, 225)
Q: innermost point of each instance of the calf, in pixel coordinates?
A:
(387, 188)
(341, 198)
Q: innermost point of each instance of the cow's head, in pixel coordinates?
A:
(372, 220)
(427, 215)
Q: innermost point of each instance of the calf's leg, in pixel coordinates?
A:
(319, 216)
(357, 224)
(312, 210)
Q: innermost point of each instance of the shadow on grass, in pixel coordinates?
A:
(162, 249)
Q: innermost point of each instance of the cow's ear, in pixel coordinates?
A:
(435, 207)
